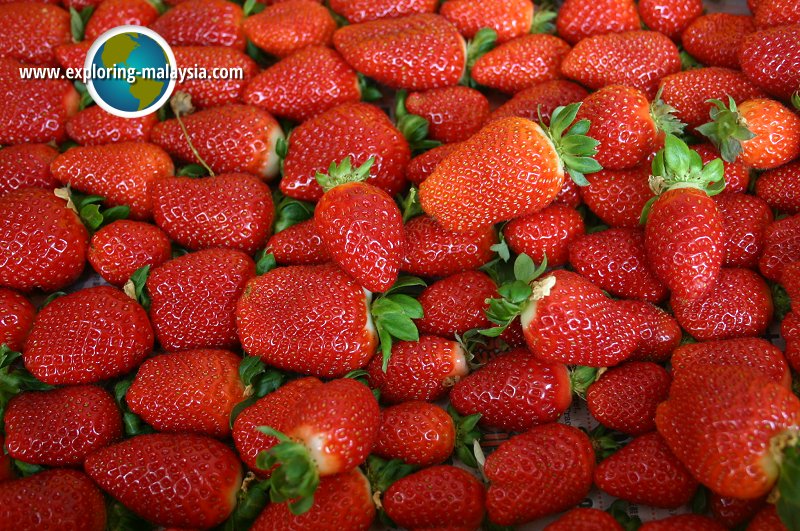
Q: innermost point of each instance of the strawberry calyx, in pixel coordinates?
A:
(393, 315)
(482, 42)
(132, 423)
(727, 129)
(295, 477)
(467, 433)
(575, 149)
(252, 7)
(14, 378)
(381, 474)
(663, 116)
(785, 449)
(543, 20)
(515, 296)
(796, 100)
(367, 88)
(78, 21)
(344, 173)
(265, 262)
(136, 288)
(581, 377)
(413, 127)
(619, 510)
(289, 211)
(90, 210)
(605, 441)
(251, 499)
(409, 205)
(258, 382)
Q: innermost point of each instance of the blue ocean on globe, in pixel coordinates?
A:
(137, 51)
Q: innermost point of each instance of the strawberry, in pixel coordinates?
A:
(432, 52)
(112, 13)
(756, 353)
(579, 19)
(31, 31)
(695, 522)
(121, 173)
(202, 23)
(357, 11)
(509, 18)
(781, 247)
(33, 110)
(659, 333)
(714, 39)
(117, 250)
(542, 98)
(304, 84)
(360, 225)
(547, 233)
(761, 133)
(615, 260)
(543, 471)
(646, 472)
(232, 138)
(569, 194)
(790, 331)
(541, 392)
(299, 244)
(358, 130)
(308, 319)
(231, 211)
(454, 113)
(584, 519)
(6, 469)
(73, 55)
(617, 197)
(508, 67)
(213, 92)
(510, 168)
(789, 279)
(744, 219)
(61, 427)
(420, 167)
(437, 497)
(340, 502)
(422, 370)
(94, 126)
(773, 13)
(434, 251)
(16, 319)
(639, 59)
(417, 432)
(737, 174)
(285, 28)
(53, 499)
(767, 519)
(42, 242)
(26, 166)
(775, 187)
(134, 472)
(670, 17)
(455, 304)
(733, 511)
(206, 285)
(625, 398)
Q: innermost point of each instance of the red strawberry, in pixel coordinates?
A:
(61, 427)
(670, 17)
(304, 84)
(714, 39)
(31, 31)
(202, 478)
(584, 519)
(625, 398)
(340, 502)
(429, 47)
(73, 55)
(287, 27)
(299, 244)
(776, 187)
(455, 304)
(94, 126)
(646, 472)
(232, 211)
(453, 113)
(358, 130)
(16, 319)
(767, 519)
(6, 469)
(541, 98)
(437, 497)
(752, 352)
(681, 522)
(744, 218)
(617, 197)
(772, 13)
(569, 194)
(509, 67)
(230, 139)
(639, 59)
(42, 242)
(417, 432)
(91, 335)
(356, 11)
(509, 18)
(53, 499)
(737, 175)
(790, 331)
(579, 19)
(26, 166)
(733, 511)
(121, 173)
(205, 285)
(433, 251)
(543, 471)
(422, 370)
(790, 281)
(781, 247)
(421, 166)
(213, 92)
(308, 319)
(541, 392)
(33, 110)
(202, 23)
(547, 233)
(615, 260)
(659, 333)
(112, 13)
(117, 250)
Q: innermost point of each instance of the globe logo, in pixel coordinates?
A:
(130, 71)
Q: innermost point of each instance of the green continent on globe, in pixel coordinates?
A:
(117, 50)
(146, 91)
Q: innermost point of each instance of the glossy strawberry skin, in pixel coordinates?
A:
(299, 244)
(61, 427)
(26, 166)
(356, 11)
(206, 285)
(420, 167)
(771, 60)
(285, 28)
(230, 211)
(429, 47)
(745, 218)
(455, 304)
(42, 242)
(670, 17)
(579, 19)
(543, 471)
(541, 392)
(546, 233)
(112, 13)
(508, 18)
(32, 31)
(417, 432)
(659, 333)
(618, 197)
(207, 93)
(781, 247)
(454, 113)
(436, 497)
(308, 319)
(695, 522)
(53, 499)
(776, 130)
(73, 55)
(776, 188)
(148, 473)
(202, 23)
(773, 13)
(59, 351)
(543, 97)
(117, 250)
(94, 126)
(790, 330)
(16, 319)
(358, 130)
(646, 472)
(714, 39)
(733, 511)
(584, 519)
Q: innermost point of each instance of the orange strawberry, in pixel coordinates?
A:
(509, 18)
(579, 19)
(420, 167)
(714, 39)
(26, 166)
(774, 13)
(95, 126)
(546, 234)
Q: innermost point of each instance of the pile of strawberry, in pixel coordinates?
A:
(319, 315)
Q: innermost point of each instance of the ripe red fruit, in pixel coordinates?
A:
(757, 55)
(695, 522)
(509, 18)
(745, 219)
(285, 28)
(659, 333)
(781, 247)
(737, 174)
(94, 126)
(26, 166)
(299, 244)
(417, 432)
(421, 166)
(541, 98)
(455, 304)
(790, 331)
(776, 187)
(202, 23)
(356, 11)
(30, 32)
(579, 19)
(117, 250)
(734, 511)
(109, 14)
(670, 17)
(213, 92)
(772, 13)
(714, 39)
(16, 319)
(87, 336)
(547, 233)
(617, 197)
(584, 519)
(454, 113)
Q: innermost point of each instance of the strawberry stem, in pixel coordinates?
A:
(574, 148)
(296, 477)
(581, 378)
(726, 130)
(514, 295)
(181, 104)
(343, 173)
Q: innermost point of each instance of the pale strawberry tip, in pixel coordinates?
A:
(296, 477)
(575, 150)
(726, 130)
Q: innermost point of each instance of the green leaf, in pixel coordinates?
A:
(483, 41)
(386, 342)
(343, 173)
(664, 117)
(252, 7)
(136, 287)
(296, 478)
(78, 20)
(726, 130)
(250, 501)
(400, 327)
(581, 378)
(50, 298)
(257, 54)
(400, 110)
(619, 510)
(404, 282)
(543, 21)
(524, 268)
(788, 505)
(796, 100)
(120, 518)
(369, 92)
(700, 502)
(192, 170)
(467, 433)
(24, 469)
(501, 248)
(409, 306)
(289, 212)
(410, 205)
(688, 62)
(91, 217)
(265, 262)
